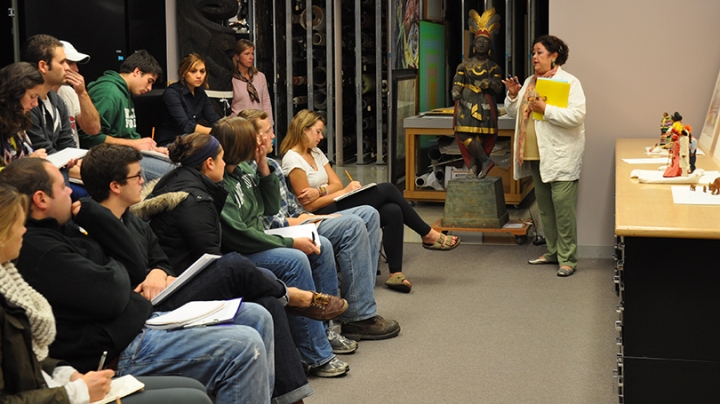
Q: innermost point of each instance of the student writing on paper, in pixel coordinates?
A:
(27, 373)
(550, 150)
(355, 237)
(111, 173)
(315, 183)
(91, 292)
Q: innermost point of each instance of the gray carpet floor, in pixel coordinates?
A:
(483, 326)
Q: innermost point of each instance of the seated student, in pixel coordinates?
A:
(112, 95)
(316, 185)
(97, 310)
(188, 203)
(81, 110)
(355, 236)
(185, 104)
(25, 348)
(20, 87)
(112, 177)
(51, 128)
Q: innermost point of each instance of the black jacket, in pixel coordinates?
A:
(184, 213)
(91, 294)
(21, 379)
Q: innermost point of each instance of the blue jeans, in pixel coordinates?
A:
(308, 272)
(234, 361)
(155, 168)
(355, 236)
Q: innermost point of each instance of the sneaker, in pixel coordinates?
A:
(340, 344)
(323, 307)
(374, 328)
(334, 368)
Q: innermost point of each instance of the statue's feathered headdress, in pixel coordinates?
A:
(486, 24)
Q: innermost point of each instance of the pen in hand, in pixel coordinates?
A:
(102, 361)
(513, 78)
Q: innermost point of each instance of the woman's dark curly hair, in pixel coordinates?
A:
(15, 80)
(554, 44)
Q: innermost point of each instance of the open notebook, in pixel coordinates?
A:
(121, 387)
(189, 273)
(196, 314)
(357, 191)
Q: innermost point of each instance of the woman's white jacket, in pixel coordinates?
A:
(560, 136)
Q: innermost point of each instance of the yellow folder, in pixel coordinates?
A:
(556, 93)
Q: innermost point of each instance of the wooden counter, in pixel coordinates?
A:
(667, 278)
(647, 210)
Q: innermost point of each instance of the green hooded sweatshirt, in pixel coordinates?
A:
(112, 98)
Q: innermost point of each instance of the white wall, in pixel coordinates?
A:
(635, 60)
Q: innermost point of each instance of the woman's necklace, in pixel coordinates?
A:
(310, 160)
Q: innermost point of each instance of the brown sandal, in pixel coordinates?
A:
(440, 243)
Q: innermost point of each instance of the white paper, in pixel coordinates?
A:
(61, 158)
(188, 274)
(303, 230)
(195, 314)
(121, 387)
(682, 195)
(157, 155)
(364, 187)
(652, 160)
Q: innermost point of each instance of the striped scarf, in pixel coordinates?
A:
(525, 111)
(18, 293)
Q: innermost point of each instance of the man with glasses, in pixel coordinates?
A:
(112, 96)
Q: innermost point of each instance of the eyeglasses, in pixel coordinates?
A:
(138, 176)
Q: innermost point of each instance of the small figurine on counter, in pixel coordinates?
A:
(674, 169)
(692, 148)
(684, 153)
(715, 186)
(665, 125)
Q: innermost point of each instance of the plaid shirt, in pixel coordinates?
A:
(289, 205)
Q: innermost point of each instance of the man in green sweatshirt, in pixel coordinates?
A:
(112, 96)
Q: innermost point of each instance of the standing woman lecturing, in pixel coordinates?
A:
(550, 150)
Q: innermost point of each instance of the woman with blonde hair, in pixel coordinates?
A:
(316, 186)
(250, 88)
(187, 109)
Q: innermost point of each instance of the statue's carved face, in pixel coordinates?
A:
(482, 45)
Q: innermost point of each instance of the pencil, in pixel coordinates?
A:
(152, 136)
(348, 174)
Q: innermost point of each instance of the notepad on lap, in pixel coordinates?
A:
(302, 230)
(189, 273)
(157, 155)
(357, 191)
(121, 387)
(557, 93)
(61, 158)
(196, 314)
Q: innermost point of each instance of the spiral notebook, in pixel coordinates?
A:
(357, 191)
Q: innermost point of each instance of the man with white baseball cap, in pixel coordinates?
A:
(80, 107)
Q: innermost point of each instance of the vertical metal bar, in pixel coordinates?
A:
(252, 23)
(289, 61)
(378, 83)
(309, 53)
(509, 38)
(390, 117)
(358, 86)
(276, 98)
(337, 45)
(530, 30)
(16, 31)
(330, 85)
(462, 31)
